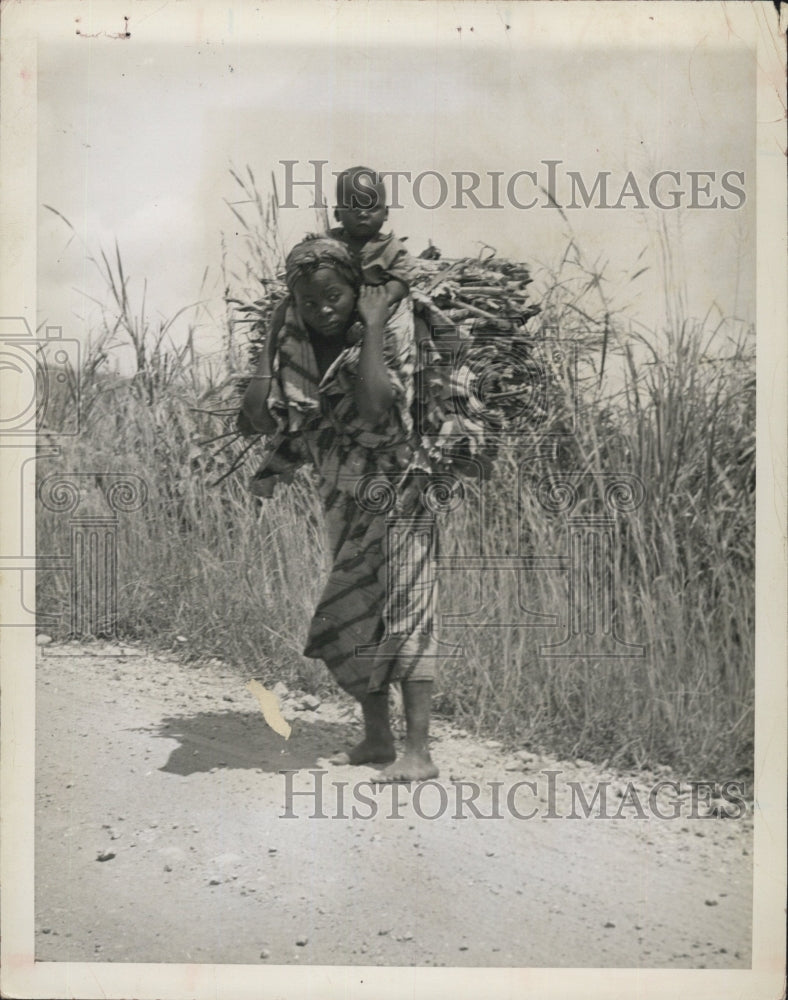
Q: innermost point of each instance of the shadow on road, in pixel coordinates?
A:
(210, 740)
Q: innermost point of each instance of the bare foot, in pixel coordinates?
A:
(411, 766)
(367, 752)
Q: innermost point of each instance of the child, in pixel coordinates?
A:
(361, 211)
(339, 390)
(383, 260)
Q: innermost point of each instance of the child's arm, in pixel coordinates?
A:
(254, 405)
(374, 392)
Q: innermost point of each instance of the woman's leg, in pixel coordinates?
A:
(415, 764)
(377, 746)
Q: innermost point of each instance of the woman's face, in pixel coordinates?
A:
(325, 301)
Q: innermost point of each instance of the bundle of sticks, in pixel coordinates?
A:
(484, 308)
(485, 374)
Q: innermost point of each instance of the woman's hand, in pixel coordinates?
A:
(254, 405)
(373, 306)
(374, 391)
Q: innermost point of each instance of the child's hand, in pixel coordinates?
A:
(373, 306)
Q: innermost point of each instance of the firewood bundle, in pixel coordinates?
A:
(482, 374)
(503, 379)
(490, 293)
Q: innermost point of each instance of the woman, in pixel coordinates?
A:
(337, 389)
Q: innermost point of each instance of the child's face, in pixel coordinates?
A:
(325, 302)
(362, 209)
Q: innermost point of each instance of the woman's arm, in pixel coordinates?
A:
(254, 405)
(374, 391)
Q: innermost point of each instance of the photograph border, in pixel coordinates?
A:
(578, 22)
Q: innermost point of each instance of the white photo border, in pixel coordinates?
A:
(565, 24)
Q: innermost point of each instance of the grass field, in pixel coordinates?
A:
(209, 571)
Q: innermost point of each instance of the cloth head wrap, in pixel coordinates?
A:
(321, 251)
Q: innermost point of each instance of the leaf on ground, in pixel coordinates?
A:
(269, 706)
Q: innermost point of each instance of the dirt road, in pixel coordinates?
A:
(165, 832)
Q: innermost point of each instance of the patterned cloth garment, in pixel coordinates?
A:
(382, 258)
(375, 619)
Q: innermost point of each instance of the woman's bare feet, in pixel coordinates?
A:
(367, 752)
(415, 764)
(377, 747)
(411, 766)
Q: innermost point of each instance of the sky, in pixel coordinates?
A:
(136, 139)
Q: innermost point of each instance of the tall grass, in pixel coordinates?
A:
(239, 579)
